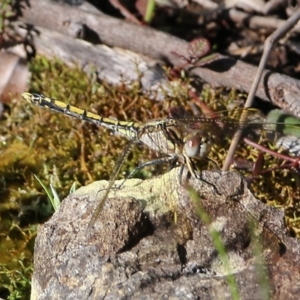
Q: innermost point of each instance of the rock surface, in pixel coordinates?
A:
(151, 243)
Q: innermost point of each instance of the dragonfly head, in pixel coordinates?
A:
(197, 146)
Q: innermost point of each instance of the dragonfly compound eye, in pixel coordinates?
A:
(197, 146)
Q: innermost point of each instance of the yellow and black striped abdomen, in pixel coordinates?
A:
(127, 129)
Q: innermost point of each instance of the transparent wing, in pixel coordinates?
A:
(224, 124)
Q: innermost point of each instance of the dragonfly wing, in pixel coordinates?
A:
(220, 126)
(116, 171)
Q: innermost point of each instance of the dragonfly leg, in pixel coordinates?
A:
(192, 171)
(163, 160)
(199, 176)
(188, 175)
(214, 163)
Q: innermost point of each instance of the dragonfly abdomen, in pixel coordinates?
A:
(127, 129)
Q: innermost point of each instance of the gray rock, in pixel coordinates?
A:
(150, 242)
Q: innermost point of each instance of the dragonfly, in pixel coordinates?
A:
(179, 139)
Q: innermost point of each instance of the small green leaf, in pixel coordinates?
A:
(52, 195)
(44, 187)
(149, 11)
(283, 123)
(56, 200)
(73, 188)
